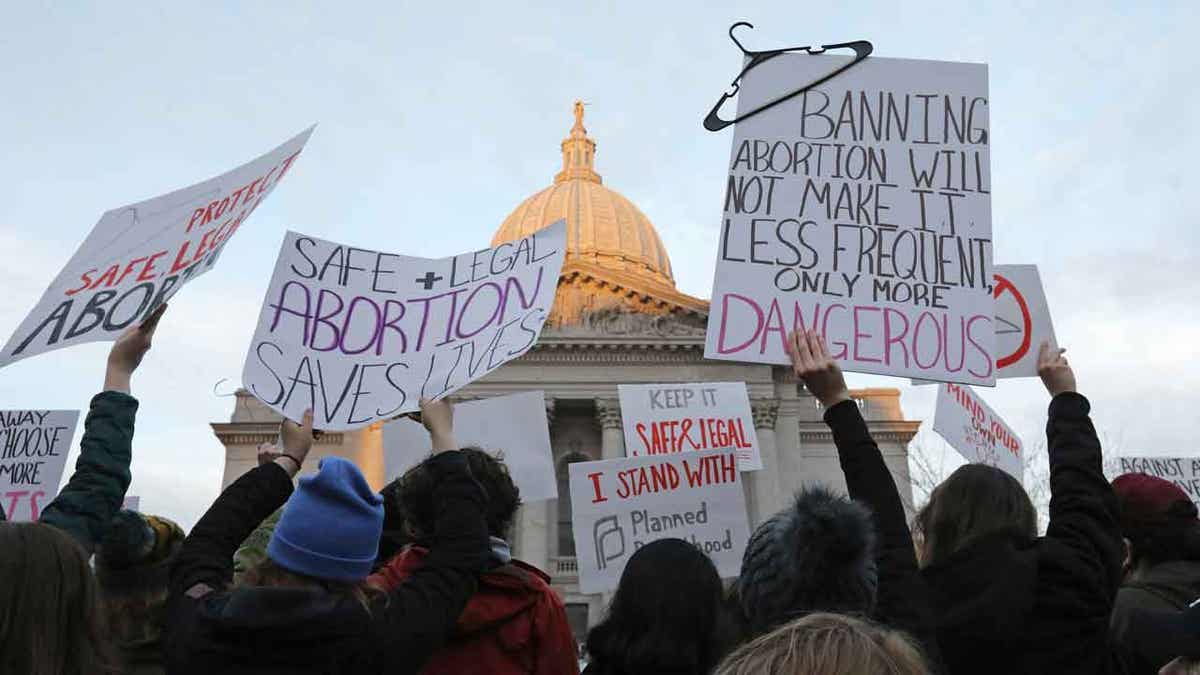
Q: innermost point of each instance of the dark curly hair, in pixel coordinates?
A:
(411, 495)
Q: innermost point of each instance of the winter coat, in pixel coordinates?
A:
(275, 630)
(902, 600)
(87, 503)
(1170, 586)
(1007, 603)
(514, 624)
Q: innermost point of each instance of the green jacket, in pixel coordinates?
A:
(88, 502)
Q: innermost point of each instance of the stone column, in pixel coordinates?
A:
(612, 436)
(765, 482)
(531, 539)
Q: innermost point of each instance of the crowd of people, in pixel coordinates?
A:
(325, 575)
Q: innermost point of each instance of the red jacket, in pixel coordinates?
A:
(515, 623)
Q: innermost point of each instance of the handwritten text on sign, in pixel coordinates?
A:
(662, 419)
(862, 210)
(1182, 471)
(360, 335)
(620, 505)
(33, 453)
(140, 255)
(972, 428)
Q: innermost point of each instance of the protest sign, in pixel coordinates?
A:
(33, 453)
(972, 428)
(661, 419)
(514, 426)
(1022, 321)
(361, 335)
(139, 256)
(860, 209)
(1182, 471)
(620, 505)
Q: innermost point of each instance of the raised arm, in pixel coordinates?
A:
(205, 562)
(902, 599)
(91, 498)
(438, 591)
(1084, 522)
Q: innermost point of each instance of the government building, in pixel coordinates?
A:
(617, 318)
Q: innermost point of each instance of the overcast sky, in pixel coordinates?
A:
(436, 120)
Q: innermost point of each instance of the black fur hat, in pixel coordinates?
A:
(818, 555)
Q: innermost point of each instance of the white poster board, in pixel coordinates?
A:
(138, 256)
(972, 428)
(514, 426)
(661, 419)
(860, 209)
(1022, 320)
(361, 335)
(1182, 471)
(620, 505)
(33, 453)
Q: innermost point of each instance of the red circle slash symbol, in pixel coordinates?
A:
(1003, 284)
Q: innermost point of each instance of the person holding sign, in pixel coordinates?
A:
(898, 595)
(307, 608)
(46, 585)
(1007, 601)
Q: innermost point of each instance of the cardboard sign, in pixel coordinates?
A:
(860, 209)
(361, 335)
(1182, 471)
(620, 505)
(972, 428)
(1022, 320)
(662, 419)
(514, 426)
(33, 453)
(139, 256)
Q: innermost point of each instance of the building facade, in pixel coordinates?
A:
(617, 319)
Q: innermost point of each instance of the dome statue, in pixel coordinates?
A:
(614, 255)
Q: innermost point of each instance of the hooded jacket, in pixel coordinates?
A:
(1169, 586)
(514, 624)
(1010, 604)
(273, 630)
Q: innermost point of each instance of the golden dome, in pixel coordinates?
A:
(604, 229)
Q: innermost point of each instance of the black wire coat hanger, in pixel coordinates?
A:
(713, 122)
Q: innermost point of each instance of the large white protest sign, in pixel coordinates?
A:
(661, 419)
(1182, 471)
(860, 209)
(361, 335)
(33, 453)
(139, 256)
(972, 428)
(620, 505)
(514, 426)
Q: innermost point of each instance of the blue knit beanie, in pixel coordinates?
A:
(330, 526)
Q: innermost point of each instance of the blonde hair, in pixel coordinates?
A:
(827, 644)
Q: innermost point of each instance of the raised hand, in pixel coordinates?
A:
(1054, 370)
(438, 419)
(297, 440)
(812, 363)
(127, 352)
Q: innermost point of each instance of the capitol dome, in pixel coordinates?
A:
(608, 237)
